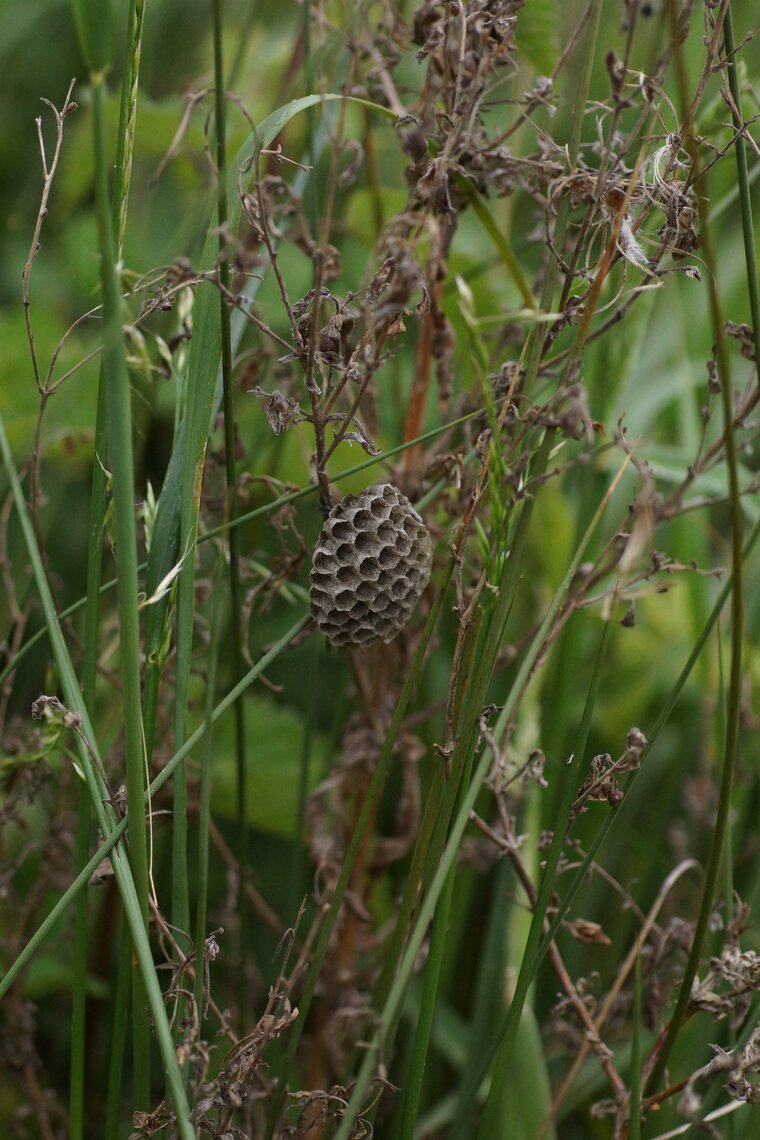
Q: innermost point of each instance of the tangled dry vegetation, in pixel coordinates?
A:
(605, 192)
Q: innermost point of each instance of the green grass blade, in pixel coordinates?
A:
(115, 833)
(570, 780)
(119, 1034)
(743, 182)
(204, 798)
(733, 710)
(634, 1083)
(120, 196)
(121, 464)
(203, 368)
(228, 404)
(500, 242)
(103, 811)
(389, 1015)
(373, 791)
(412, 1094)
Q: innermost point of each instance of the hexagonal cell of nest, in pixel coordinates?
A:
(371, 563)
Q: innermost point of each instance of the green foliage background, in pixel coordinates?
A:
(649, 372)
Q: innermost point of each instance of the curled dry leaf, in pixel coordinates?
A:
(583, 930)
(280, 411)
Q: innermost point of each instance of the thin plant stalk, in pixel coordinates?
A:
(308, 74)
(570, 781)
(119, 1028)
(237, 624)
(122, 475)
(734, 696)
(258, 512)
(204, 803)
(365, 815)
(634, 1101)
(388, 1016)
(104, 811)
(298, 857)
(743, 182)
(117, 831)
(79, 979)
(120, 198)
(416, 1073)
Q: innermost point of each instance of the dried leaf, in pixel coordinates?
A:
(586, 931)
(280, 411)
(370, 447)
(744, 335)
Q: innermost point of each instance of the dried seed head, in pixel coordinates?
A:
(371, 563)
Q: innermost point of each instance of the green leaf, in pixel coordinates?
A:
(537, 36)
(203, 367)
(276, 735)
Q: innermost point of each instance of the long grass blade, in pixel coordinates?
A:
(104, 813)
(743, 180)
(570, 780)
(117, 831)
(389, 1014)
(122, 480)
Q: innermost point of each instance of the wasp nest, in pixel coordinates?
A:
(371, 563)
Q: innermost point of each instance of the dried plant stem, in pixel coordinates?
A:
(120, 198)
(498, 236)
(103, 811)
(115, 833)
(368, 808)
(713, 43)
(740, 147)
(237, 623)
(625, 969)
(43, 388)
(655, 1069)
(122, 466)
(443, 230)
(48, 172)
(128, 117)
(320, 445)
(594, 292)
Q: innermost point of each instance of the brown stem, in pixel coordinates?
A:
(48, 173)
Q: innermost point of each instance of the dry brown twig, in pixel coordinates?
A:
(43, 386)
